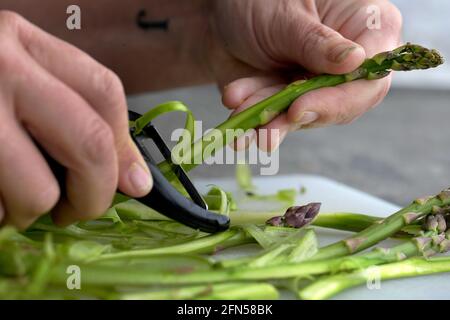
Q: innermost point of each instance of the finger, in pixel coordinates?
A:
(2, 211)
(227, 68)
(102, 89)
(258, 96)
(73, 134)
(383, 37)
(346, 102)
(272, 134)
(240, 90)
(315, 46)
(28, 188)
(244, 141)
(336, 105)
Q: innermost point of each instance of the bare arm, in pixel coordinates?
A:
(144, 59)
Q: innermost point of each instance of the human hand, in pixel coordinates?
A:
(258, 46)
(75, 108)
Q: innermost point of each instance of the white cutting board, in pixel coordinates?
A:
(336, 197)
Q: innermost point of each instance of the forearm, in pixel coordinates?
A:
(145, 59)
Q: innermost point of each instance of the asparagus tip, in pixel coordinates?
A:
(401, 256)
(444, 195)
(353, 243)
(410, 217)
(429, 253)
(422, 201)
(297, 216)
(437, 239)
(413, 56)
(444, 246)
(422, 243)
(275, 221)
(442, 224)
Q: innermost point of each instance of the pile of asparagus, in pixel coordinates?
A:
(132, 252)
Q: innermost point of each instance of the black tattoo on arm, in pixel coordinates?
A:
(147, 25)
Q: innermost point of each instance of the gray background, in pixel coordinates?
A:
(399, 151)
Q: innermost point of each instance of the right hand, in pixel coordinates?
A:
(260, 46)
(75, 108)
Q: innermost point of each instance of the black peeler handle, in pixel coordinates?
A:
(163, 198)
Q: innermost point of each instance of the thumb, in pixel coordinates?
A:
(318, 48)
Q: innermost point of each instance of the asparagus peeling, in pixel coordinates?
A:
(275, 264)
(431, 242)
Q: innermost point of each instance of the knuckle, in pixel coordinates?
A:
(338, 115)
(344, 107)
(380, 93)
(341, 113)
(94, 207)
(2, 211)
(5, 137)
(346, 114)
(316, 36)
(89, 211)
(392, 17)
(97, 142)
(10, 19)
(44, 200)
(109, 86)
(327, 115)
(348, 120)
(19, 222)
(10, 63)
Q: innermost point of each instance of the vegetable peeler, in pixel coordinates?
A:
(164, 198)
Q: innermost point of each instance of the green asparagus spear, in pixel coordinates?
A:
(329, 286)
(405, 58)
(226, 291)
(205, 244)
(386, 228)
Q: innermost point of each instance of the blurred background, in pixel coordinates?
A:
(398, 151)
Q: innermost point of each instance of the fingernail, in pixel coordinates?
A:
(278, 139)
(307, 117)
(340, 53)
(140, 178)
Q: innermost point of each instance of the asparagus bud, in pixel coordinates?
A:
(276, 221)
(431, 223)
(442, 225)
(405, 58)
(296, 217)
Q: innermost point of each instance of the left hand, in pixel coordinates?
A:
(256, 47)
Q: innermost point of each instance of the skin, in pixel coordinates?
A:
(302, 38)
(65, 90)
